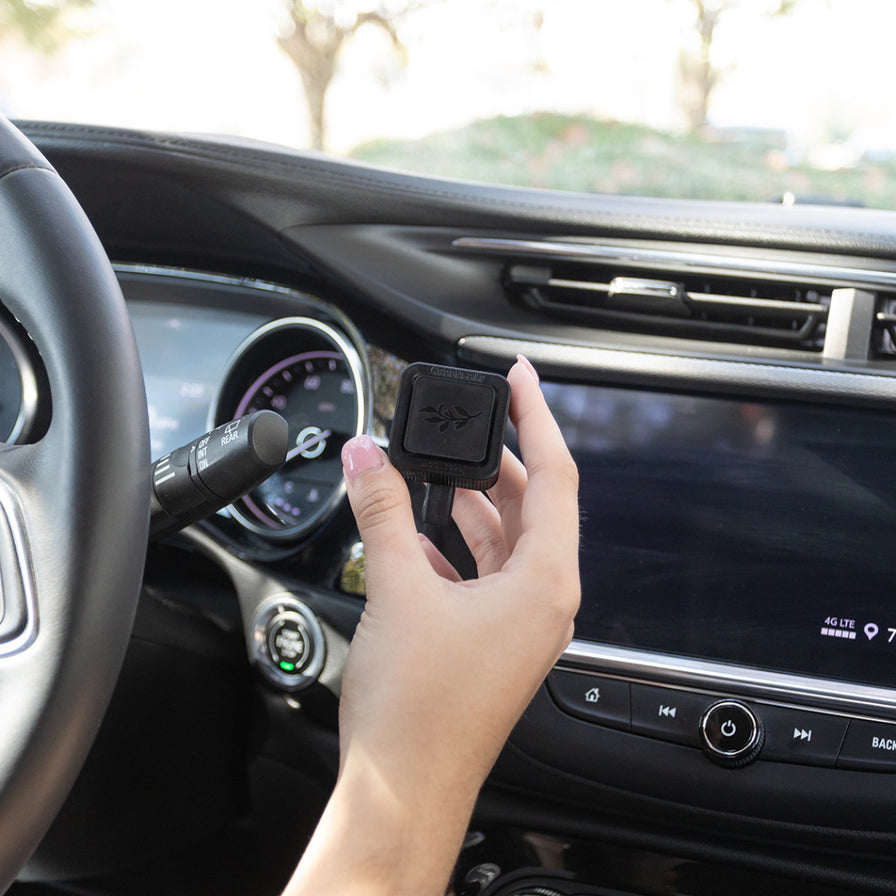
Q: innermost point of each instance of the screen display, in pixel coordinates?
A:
(184, 352)
(753, 533)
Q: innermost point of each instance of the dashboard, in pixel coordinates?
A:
(724, 376)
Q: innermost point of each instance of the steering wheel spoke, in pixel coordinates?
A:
(74, 506)
(18, 608)
(20, 483)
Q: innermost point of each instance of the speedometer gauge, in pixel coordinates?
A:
(309, 373)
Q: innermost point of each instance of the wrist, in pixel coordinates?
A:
(379, 837)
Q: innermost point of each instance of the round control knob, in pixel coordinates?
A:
(288, 644)
(731, 734)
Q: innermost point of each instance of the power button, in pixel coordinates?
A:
(288, 644)
(731, 734)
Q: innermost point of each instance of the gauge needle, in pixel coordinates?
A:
(308, 443)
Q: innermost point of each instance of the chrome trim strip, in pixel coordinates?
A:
(705, 674)
(758, 305)
(695, 261)
(203, 277)
(583, 285)
(10, 508)
(769, 378)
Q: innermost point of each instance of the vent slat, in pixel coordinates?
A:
(759, 306)
(664, 301)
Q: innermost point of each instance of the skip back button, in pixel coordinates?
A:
(667, 713)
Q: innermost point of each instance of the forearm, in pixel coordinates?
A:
(440, 669)
(378, 839)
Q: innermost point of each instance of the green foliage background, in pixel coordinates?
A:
(591, 155)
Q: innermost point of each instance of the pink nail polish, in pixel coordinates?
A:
(528, 365)
(359, 454)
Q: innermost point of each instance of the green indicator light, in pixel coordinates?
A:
(287, 667)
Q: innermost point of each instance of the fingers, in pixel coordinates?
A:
(382, 508)
(438, 562)
(507, 495)
(550, 505)
(480, 525)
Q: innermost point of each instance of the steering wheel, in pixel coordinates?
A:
(74, 506)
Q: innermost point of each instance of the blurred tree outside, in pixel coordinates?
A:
(699, 73)
(318, 31)
(42, 24)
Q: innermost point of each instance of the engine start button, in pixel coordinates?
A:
(288, 642)
(731, 734)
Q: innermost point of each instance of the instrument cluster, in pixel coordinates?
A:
(214, 349)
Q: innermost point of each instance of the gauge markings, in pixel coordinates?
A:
(316, 391)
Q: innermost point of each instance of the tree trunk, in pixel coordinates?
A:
(316, 84)
(698, 73)
(312, 47)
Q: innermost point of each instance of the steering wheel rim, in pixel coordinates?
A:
(73, 506)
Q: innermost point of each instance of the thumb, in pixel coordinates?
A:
(382, 506)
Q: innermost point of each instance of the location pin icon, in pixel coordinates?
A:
(871, 630)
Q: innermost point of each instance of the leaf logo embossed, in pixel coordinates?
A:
(445, 416)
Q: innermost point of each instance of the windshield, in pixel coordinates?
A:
(764, 100)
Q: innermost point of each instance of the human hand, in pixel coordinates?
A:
(440, 669)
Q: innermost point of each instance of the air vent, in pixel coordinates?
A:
(845, 311)
(718, 307)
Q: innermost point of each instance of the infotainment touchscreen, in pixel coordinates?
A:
(761, 534)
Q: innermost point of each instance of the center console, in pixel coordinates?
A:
(737, 634)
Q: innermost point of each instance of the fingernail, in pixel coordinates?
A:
(359, 454)
(528, 365)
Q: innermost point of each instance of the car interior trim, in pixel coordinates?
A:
(208, 277)
(645, 665)
(593, 363)
(766, 267)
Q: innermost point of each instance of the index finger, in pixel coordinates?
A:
(550, 505)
